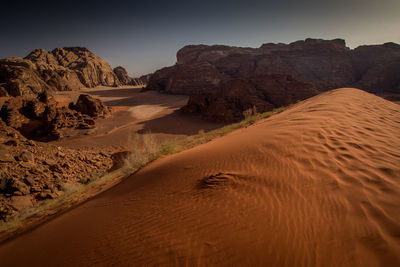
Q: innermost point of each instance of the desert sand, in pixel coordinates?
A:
(134, 112)
(315, 185)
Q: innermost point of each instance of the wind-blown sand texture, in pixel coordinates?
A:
(316, 185)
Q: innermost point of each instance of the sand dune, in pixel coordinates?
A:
(316, 185)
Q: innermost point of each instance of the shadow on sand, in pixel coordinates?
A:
(179, 123)
(134, 97)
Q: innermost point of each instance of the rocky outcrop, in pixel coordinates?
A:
(144, 79)
(326, 64)
(186, 79)
(377, 67)
(91, 106)
(124, 78)
(31, 172)
(40, 118)
(20, 77)
(227, 101)
(69, 68)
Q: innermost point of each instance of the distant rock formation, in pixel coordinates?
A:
(68, 68)
(326, 64)
(124, 78)
(227, 101)
(144, 79)
(223, 81)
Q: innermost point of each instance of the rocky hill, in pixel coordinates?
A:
(26, 86)
(323, 64)
(326, 64)
(68, 68)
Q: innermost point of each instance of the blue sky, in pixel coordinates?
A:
(144, 36)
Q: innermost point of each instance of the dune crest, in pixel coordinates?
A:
(316, 185)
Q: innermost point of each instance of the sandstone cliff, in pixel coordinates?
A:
(227, 101)
(224, 81)
(326, 64)
(68, 68)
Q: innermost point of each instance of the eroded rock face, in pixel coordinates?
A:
(20, 77)
(91, 106)
(123, 76)
(227, 101)
(377, 67)
(326, 64)
(39, 118)
(186, 79)
(69, 68)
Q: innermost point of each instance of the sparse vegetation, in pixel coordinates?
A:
(250, 112)
(202, 138)
(73, 194)
(145, 147)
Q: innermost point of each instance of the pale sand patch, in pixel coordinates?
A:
(143, 112)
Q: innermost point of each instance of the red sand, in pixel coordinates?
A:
(316, 185)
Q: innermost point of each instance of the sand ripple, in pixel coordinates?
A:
(316, 185)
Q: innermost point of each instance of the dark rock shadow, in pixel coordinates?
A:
(179, 122)
(134, 97)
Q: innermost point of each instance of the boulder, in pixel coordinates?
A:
(21, 202)
(26, 156)
(5, 156)
(15, 185)
(91, 106)
(10, 112)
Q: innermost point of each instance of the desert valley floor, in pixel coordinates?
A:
(315, 185)
(135, 111)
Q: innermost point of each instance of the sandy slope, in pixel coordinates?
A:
(316, 185)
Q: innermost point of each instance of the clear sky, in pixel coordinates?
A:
(143, 36)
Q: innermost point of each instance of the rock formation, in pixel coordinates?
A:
(69, 68)
(124, 78)
(144, 79)
(326, 64)
(31, 172)
(222, 84)
(91, 106)
(227, 101)
(39, 118)
(377, 67)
